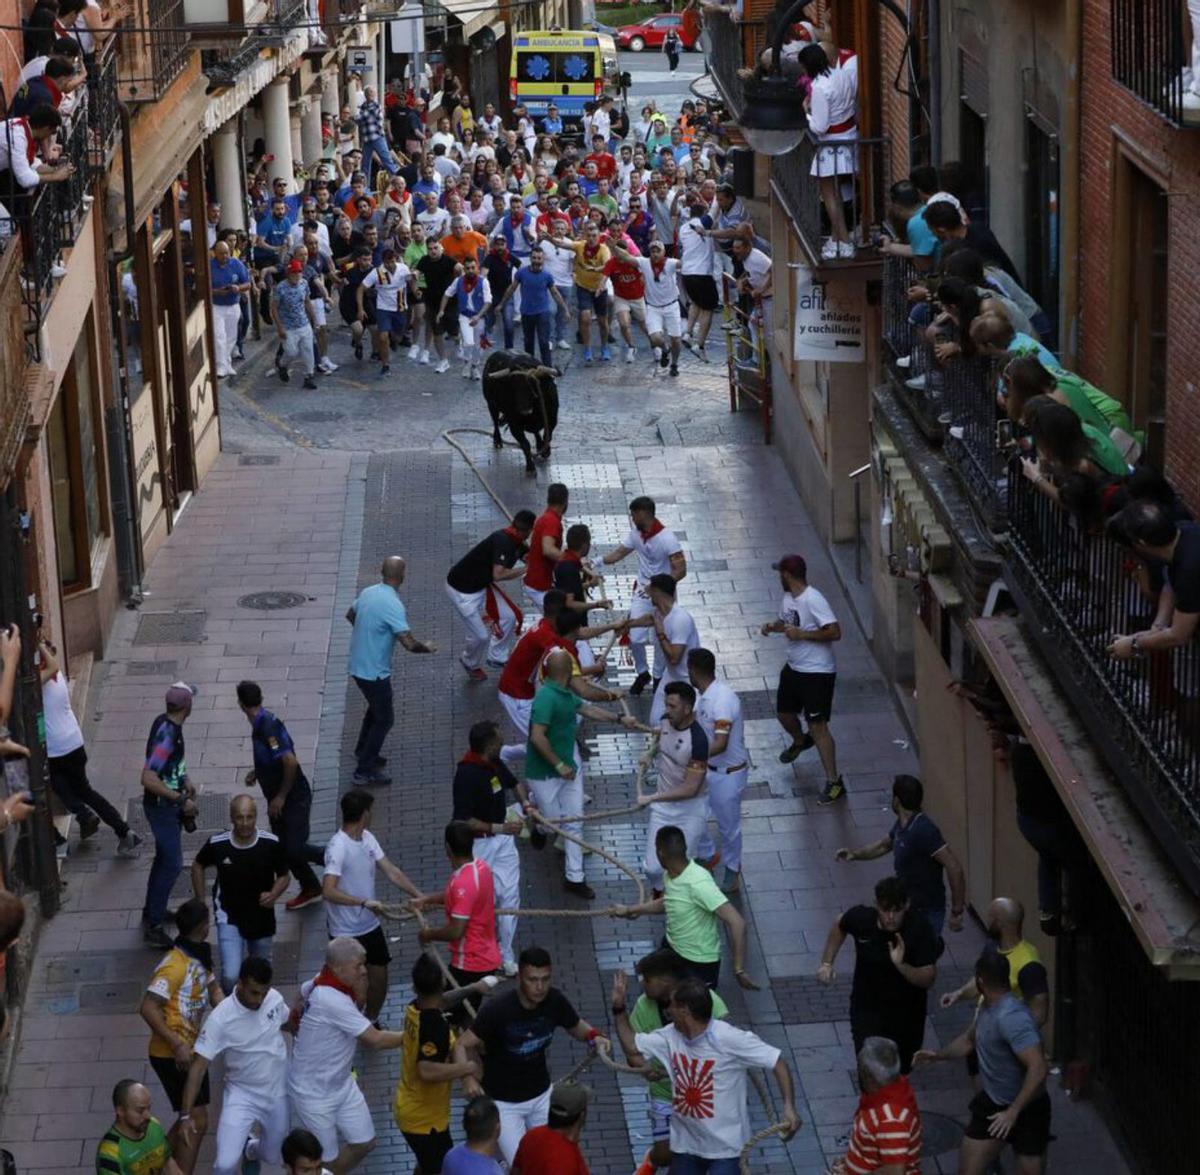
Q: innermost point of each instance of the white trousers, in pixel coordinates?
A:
(500, 852)
(225, 331)
(516, 1118)
(536, 600)
(725, 806)
(240, 1109)
(468, 338)
(560, 800)
(639, 606)
(482, 643)
(517, 710)
(339, 1114)
(692, 827)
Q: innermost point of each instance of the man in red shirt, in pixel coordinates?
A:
(887, 1125)
(554, 1149)
(545, 545)
(606, 164)
(470, 903)
(629, 289)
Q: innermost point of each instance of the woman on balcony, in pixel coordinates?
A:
(833, 119)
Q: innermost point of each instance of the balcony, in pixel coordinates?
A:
(14, 403)
(273, 24)
(153, 51)
(799, 191)
(729, 46)
(103, 117)
(1148, 56)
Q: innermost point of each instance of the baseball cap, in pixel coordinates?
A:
(792, 565)
(295, 267)
(180, 695)
(569, 1099)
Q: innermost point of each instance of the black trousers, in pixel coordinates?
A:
(69, 779)
(291, 826)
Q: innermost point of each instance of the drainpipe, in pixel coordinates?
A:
(935, 80)
(117, 424)
(1070, 184)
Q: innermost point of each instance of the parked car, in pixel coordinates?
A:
(650, 33)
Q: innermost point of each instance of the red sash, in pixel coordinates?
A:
(491, 610)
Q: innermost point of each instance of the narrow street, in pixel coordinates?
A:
(311, 492)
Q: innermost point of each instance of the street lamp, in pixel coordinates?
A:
(773, 120)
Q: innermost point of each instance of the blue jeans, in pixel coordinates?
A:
(538, 325)
(166, 825)
(376, 723)
(695, 1165)
(506, 315)
(378, 147)
(234, 948)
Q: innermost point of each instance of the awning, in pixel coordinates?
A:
(1161, 910)
(473, 15)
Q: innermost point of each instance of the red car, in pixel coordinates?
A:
(650, 33)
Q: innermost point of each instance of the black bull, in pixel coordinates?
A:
(522, 394)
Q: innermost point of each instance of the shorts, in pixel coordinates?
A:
(430, 1149)
(1030, 1134)
(634, 305)
(334, 1116)
(810, 694)
(596, 300)
(173, 1078)
(443, 324)
(664, 320)
(374, 942)
(390, 321)
(660, 1120)
(318, 309)
(701, 290)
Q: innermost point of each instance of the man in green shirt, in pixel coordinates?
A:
(660, 972)
(554, 777)
(694, 905)
(136, 1143)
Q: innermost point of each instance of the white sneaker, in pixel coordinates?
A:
(442, 367)
(702, 355)
(847, 249)
(330, 365)
(425, 357)
(459, 353)
(904, 362)
(509, 967)
(466, 371)
(630, 354)
(474, 372)
(414, 353)
(829, 250)
(563, 345)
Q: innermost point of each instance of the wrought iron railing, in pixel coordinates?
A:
(14, 400)
(103, 116)
(969, 419)
(1148, 54)
(1080, 589)
(730, 46)
(154, 52)
(862, 162)
(910, 358)
(72, 194)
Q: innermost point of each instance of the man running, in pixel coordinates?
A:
(390, 280)
(135, 1144)
(545, 545)
(658, 553)
(513, 1032)
(247, 1030)
(806, 682)
(661, 293)
(473, 586)
(473, 296)
(676, 633)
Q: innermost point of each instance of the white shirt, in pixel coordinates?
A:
(446, 167)
(444, 137)
(256, 1055)
(352, 862)
(492, 125)
(436, 222)
(653, 554)
(808, 611)
(16, 160)
(719, 711)
(388, 285)
(34, 68)
(680, 629)
(834, 98)
(677, 750)
(296, 236)
(708, 1085)
(601, 125)
(560, 262)
(62, 727)
(758, 267)
(325, 1044)
(663, 291)
(695, 247)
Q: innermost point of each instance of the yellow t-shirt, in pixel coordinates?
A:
(421, 1107)
(1018, 958)
(182, 983)
(589, 271)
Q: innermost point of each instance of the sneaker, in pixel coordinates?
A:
(474, 372)
(330, 365)
(324, 364)
(442, 367)
(426, 358)
(88, 828)
(834, 790)
(796, 749)
(674, 368)
(904, 362)
(283, 373)
(459, 353)
(729, 326)
(310, 383)
(414, 354)
(605, 353)
(508, 968)
(306, 897)
(240, 355)
(580, 889)
(385, 370)
(630, 354)
(647, 1165)
(664, 359)
(829, 250)
(477, 674)
(847, 249)
(127, 846)
(917, 383)
(639, 683)
(371, 779)
(358, 350)
(564, 345)
(587, 356)
(156, 936)
(702, 355)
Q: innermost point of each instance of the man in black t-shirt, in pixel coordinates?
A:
(513, 1032)
(352, 278)
(252, 873)
(482, 785)
(491, 618)
(945, 221)
(895, 965)
(439, 272)
(571, 576)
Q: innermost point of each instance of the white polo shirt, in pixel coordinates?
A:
(388, 286)
(252, 1041)
(719, 711)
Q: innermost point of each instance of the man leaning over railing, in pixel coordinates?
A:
(21, 169)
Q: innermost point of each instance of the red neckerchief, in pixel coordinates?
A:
(55, 92)
(654, 528)
(325, 979)
(590, 251)
(30, 143)
(658, 269)
(469, 283)
(491, 609)
(515, 535)
(503, 254)
(478, 759)
(569, 556)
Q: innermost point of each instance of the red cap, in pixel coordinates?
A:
(792, 565)
(295, 267)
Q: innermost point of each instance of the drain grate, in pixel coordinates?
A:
(212, 816)
(272, 601)
(171, 628)
(151, 668)
(257, 459)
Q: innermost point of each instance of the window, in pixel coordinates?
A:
(1042, 219)
(1148, 53)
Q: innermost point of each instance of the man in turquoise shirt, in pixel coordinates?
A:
(379, 620)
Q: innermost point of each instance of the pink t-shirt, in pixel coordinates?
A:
(471, 895)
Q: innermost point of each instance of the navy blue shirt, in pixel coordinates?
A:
(270, 742)
(515, 1040)
(912, 859)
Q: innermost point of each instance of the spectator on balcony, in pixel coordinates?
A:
(66, 47)
(945, 219)
(20, 170)
(1157, 537)
(906, 208)
(55, 87)
(833, 118)
(1022, 307)
(1027, 376)
(960, 261)
(229, 279)
(94, 25)
(1064, 446)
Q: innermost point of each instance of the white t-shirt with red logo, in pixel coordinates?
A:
(653, 553)
(710, 1117)
(471, 896)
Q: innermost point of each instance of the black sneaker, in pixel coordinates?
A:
(371, 779)
(284, 376)
(358, 350)
(156, 936)
(384, 370)
(310, 383)
(674, 369)
(664, 359)
(796, 749)
(833, 791)
(580, 889)
(639, 683)
(89, 827)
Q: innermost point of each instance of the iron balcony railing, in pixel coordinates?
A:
(907, 355)
(154, 52)
(72, 196)
(1148, 54)
(1079, 589)
(731, 46)
(863, 164)
(970, 421)
(103, 116)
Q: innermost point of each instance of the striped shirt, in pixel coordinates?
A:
(887, 1130)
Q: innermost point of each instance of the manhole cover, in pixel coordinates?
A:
(272, 601)
(939, 1133)
(318, 416)
(257, 459)
(171, 628)
(151, 668)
